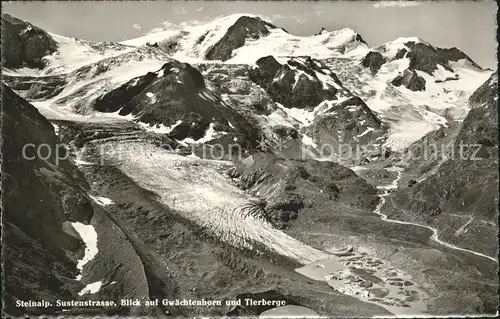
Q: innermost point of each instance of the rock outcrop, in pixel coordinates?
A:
(422, 56)
(300, 83)
(410, 79)
(350, 122)
(322, 31)
(426, 58)
(373, 60)
(289, 186)
(24, 44)
(176, 97)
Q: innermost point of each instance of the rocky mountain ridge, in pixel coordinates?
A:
(24, 44)
(461, 197)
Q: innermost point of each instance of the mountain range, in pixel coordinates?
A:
(232, 160)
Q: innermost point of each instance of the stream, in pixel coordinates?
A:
(435, 235)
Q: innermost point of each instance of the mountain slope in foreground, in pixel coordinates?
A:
(119, 264)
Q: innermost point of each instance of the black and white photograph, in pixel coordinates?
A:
(262, 159)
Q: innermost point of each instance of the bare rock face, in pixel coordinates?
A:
(351, 121)
(481, 124)
(236, 35)
(423, 57)
(24, 44)
(485, 95)
(454, 54)
(373, 60)
(175, 96)
(322, 31)
(410, 79)
(426, 58)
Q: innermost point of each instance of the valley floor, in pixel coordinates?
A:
(393, 265)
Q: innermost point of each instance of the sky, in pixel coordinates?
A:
(467, 25)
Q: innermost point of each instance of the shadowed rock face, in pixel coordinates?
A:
(353, 119)
(42, 195)
(485, 95)
(24, 44)
(423, 57)
(287, 186)
(426, 58)
(410, 79)
(454, 54)
(480, 126)
(401, 54)
(360, 39)
(299, 83)
(244, 28)
(176, 95)
(305, 83)
(323, 30)
(373, 60)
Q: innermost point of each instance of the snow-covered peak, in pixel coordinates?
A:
(73, 53)
(322, 31)
(195, 42)
(214, 29)
(391, 49)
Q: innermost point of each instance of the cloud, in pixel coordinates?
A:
(156, 30)
(136, 26)
(396, 4)
(200, 9)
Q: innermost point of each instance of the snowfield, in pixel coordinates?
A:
(194, 41)
(89, 236)
(102, 201)
(410, 115)
(91, 288)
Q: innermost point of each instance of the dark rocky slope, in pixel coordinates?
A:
(306, 83)
(410, 79)
(300, 83)
(24, 44)
(40, 247)
(175, 246)
(461, 198)
(423, 57)
(176, 95)
(41, 196)
(373, 60)
(349, 131)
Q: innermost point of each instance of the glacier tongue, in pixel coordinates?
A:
(195, 188)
